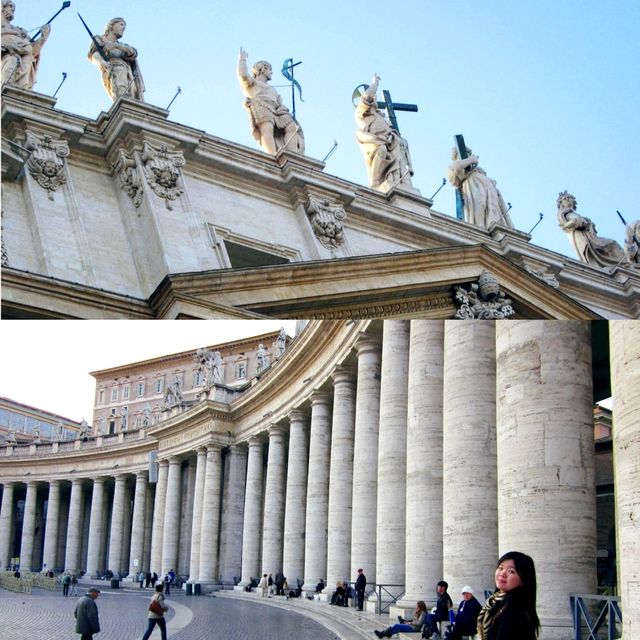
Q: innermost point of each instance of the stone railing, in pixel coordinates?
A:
(590, 612)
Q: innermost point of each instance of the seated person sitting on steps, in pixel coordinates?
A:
(338, 595)
(466, 621)
(440, 612)
(411, 626)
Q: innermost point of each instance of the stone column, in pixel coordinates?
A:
(365, 458)
(252, 523)
(95, 562)
(148, 525)
(293, 552)
(196, 524)
(171, 534)
(315, 548)
(392, 454)
(423, 564)
(546, 495)
(273, 523)
(158, 518)
(116, 538)
(625, 382)
(6, 525)
(210, 517)
(28, 528)
(74, 528)
(341, 477)
(232, 512)
(49, 554)
(470, 530)
(137, 524)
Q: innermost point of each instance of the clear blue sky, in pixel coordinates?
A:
(546, 92)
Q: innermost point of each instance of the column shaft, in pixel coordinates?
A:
(6, 525)
(49, 554)
(171, 535)
(116, 538)
(315, 549)
(210, 531)
(469, 455)
(137, 525)
(252, 523)
(158, 518)
(196, 524)
(274, 502)
(74, 528)
(392, 454)
(28, 528)
(95, 559)
(293, 552)
(341, 477)
(546, 493)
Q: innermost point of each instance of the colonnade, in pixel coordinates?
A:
(433, 447)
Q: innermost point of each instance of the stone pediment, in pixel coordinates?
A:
(420, 284)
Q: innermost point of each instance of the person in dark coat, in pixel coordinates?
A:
(443, 605)
(86, 615)
(466, 621)
(361, 584)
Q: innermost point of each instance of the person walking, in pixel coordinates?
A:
(157, 609)
(167, 585)
(86, 615)
(361, 584)
(66, 582)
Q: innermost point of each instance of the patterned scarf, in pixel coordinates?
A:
(488, 613)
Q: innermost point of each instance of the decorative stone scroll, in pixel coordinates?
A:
(162, 172)
(484, 300)
(326, 221)
(46, 162)
(125, 167)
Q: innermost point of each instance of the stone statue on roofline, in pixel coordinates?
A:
(386, 152)
(482, 201)
(601, 252)
(632, 243)
(271, 123)
(118, 63)
(20, 56)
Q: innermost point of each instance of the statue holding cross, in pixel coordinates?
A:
(385, 151)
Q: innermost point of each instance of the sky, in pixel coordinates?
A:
(546, 92)
(46, 364)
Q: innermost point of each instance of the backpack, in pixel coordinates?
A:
(66, 580)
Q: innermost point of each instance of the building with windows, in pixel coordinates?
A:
(22, 424)
(414, 449)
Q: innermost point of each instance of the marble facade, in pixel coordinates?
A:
(414, 449)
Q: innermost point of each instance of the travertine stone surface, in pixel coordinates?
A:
(6, 524)
(171, 518)
(52, 527)
(365, 458)
(210, 516)
(196, 524)
(546, 494)
(28, 528)
(252, 526)
(392, 454)
(74, 528)
(137, 524)
(423, 566)
(315, 550)
(296, 497)
(158, 518)
(625, 380)
(341, 477)
(469, 523)
(96, 528)
(116, 539)
(273, 521)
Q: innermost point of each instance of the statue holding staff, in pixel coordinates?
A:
(271, 123)
(20, 56)
(118, 62)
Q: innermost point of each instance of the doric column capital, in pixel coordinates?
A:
(321, 397)
(297, 415)
(255, 441)
(367, 343)
(343, 374)
(276, 431)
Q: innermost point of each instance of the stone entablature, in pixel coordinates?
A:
(125, 168)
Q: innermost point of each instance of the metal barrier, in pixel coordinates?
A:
(11, 583)
(605, 608)
(390, 598)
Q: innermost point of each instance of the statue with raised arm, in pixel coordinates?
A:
(632, 243)
(601, 252)
(483, 202)
(271, 123)
(20, 56)
(386, 153)
(118, 62)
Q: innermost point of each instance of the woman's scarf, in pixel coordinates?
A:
(488, 613)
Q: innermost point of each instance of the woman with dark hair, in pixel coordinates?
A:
(510, 613)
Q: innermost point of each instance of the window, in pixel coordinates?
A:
(101, 396)
(242, 256)
(140, 389)
(112, 426)
(198, 379)
(114, 394)
(241, 370)
(159, 386)
(125, 392)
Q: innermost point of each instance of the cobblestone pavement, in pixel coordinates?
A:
(43, 615)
